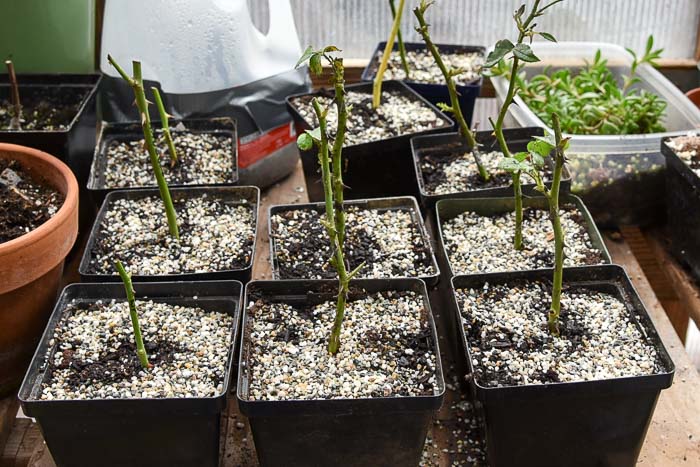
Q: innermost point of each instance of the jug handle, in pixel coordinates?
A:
(282, 27)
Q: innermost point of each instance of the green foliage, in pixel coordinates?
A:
(592, 101)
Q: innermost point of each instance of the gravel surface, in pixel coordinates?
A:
(506, 327)
(386, 349)
(688, 149)
(398, 114)
(203, 159)
(479, 244)
(95, 355)
(388, 241)
(422, 67)
(216, 234)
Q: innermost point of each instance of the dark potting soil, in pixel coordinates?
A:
(398, 114)
(203, 159)
(506, 327)
(44, 108)
(26, 202)
(388, 241)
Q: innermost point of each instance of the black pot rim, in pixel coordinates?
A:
(428, 198)
(24, 394)
(92, 184)
(87, 254)
(430, 280)
(663, 378)
(596, 239)
(674, 161)
(76, 77)
(368, 74)
(404, 88)
(285, 406)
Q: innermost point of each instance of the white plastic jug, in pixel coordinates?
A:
(194, 46)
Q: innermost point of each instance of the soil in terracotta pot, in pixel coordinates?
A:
(95, 356)
(446, 171)
(26, 202)
(386, 349)
(688, 149)
(203, 159)
(424, 70)
(215, 235)
(388, 241)
(398, 114)
(506, 327)
(44, 108)
(477, 244)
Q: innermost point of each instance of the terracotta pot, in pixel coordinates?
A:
(694, 96)
(31, 267)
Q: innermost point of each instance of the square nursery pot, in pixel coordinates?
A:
(349, 432)
(136, 431)
(447, 144)
(373, 169)
(433, 92)
(379, 204)
(131, 131)
(73, 144)
(450, 208)
(682, 209)
(577, 424)
(243, 195)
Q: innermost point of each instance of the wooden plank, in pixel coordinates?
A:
(8, 412)
(673, 438)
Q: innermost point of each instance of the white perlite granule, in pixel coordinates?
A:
(288, 356)
(478, 244)
(201, 341)
(511, 344)
(423, 69)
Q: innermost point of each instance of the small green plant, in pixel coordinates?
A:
(164, 121)
(377, 87)
(136, 83)
(128, 287)
(449, 75)
(399, 38)
(518, 52)
(331, 174)
(532, 162)
(592, 101)
(16, 120)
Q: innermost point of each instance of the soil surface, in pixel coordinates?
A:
(399, 113)
(95, 354)
(203, 159)
(386, 349)
(506, 327)
(422, 67)
(25, 201)
(389, 242)
(44, 108)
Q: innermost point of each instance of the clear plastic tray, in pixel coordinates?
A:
(681, 114)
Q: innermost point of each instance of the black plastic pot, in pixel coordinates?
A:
(434, 93)
(450, 208)
(131, 131)
(241, 194)
(375, 169)
(134, 432)
(73, 145)
(446, 144)
(379, 204)
(590, 423)
(348, 432)
(682, 210)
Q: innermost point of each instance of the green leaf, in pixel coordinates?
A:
(524, 53)
(537, 160)
(305, 142)
(308, 53)
(520, 156)
(500, 50)
(548, 36)
(315, 133)
(331, 48)
(650, 44)
(548, 138)
(444, 107)
(539, 147)
(315, 64)
(511, 164)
